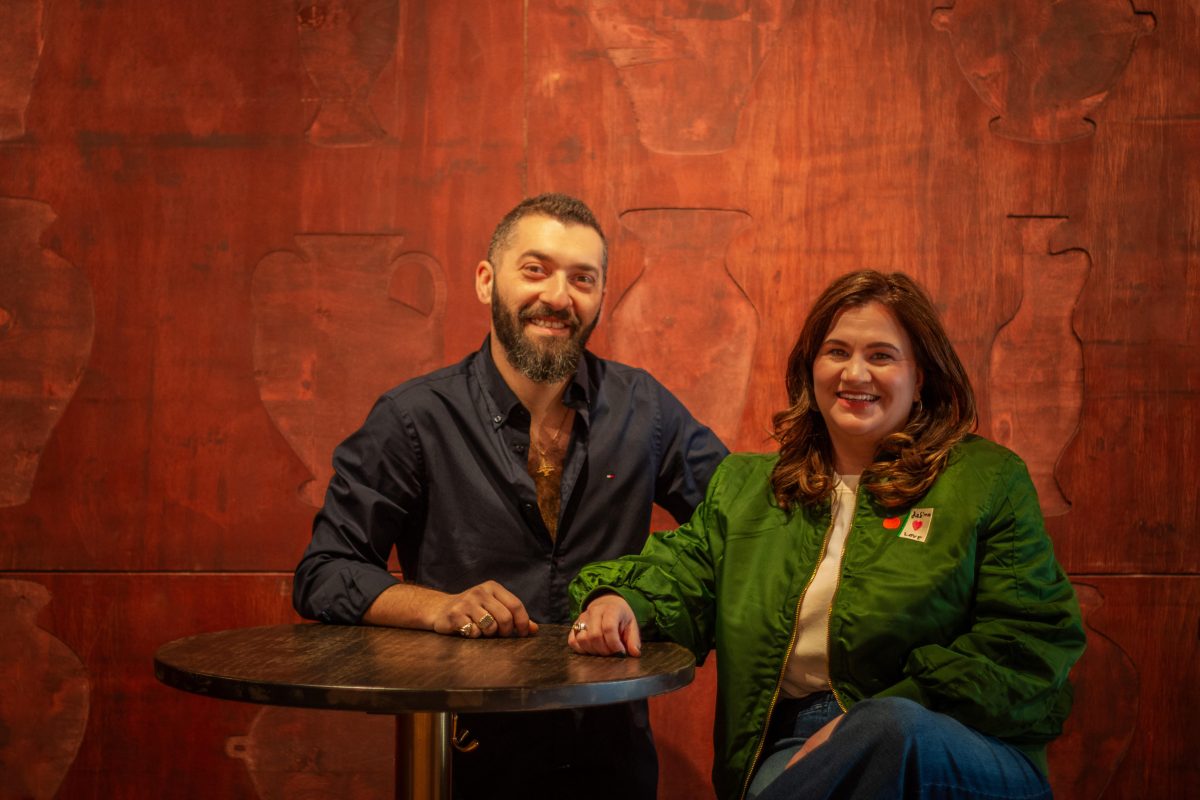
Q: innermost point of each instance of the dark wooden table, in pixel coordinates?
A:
(422, 678)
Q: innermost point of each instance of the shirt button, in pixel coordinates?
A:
(497, 419)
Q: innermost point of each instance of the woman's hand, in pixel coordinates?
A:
(606, 627)
(816, 740)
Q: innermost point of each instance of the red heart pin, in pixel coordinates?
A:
(891, 523)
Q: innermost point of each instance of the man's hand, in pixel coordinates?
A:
(606, 627)
(487, 609)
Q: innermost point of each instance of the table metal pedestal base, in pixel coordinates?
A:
(423, 756)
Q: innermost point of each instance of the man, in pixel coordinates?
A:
(496, 480)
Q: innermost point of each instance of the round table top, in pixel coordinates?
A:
(390, 670)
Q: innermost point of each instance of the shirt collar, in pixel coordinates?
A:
(577, 395)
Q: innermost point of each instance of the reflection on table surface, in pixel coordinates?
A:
(390, 670)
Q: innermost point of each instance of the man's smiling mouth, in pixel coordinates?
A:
(547, 323)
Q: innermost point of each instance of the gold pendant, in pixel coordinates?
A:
(545, 469)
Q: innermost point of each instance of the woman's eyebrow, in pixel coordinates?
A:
(887, 345)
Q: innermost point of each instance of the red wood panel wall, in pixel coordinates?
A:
(225, 227)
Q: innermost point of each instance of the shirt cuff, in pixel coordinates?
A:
(352, 593)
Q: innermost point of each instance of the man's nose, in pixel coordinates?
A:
(555, 292)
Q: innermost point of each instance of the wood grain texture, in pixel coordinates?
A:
(390, 671)
(115, 623)
(345, 44)
(1035, 378)
(705, 321)
(44, 705)
(1103, 721)
(683, 722)
(21, 44)
(688, 66)
(299, 752)
(1044, 66)
(1155, 621)
(319, 358)
(175, 147)
(46, 325)
(167, 457)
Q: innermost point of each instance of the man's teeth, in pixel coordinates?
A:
(548, 323)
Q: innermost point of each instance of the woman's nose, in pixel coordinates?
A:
(855, 371)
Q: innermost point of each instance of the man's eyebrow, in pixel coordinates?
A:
(538, 254)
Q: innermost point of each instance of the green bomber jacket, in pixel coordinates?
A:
(967, 612)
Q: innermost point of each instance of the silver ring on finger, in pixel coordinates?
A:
(465, 630)
(579, 627)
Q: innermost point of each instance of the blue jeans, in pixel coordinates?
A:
(893, 748)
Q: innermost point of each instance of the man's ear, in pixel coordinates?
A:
(485, 281)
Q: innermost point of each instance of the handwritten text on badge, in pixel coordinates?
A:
(920, 520)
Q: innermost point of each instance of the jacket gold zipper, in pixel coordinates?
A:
(762, 737)
(837, 584)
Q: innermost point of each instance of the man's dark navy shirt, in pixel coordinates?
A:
(438, 471)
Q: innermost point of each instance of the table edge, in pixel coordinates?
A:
(267, 690)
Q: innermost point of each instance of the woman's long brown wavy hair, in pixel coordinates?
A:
(906, 462)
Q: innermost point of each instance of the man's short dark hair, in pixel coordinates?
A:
(561, 207)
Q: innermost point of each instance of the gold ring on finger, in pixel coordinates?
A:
(486, 621)
(579, 627)
(465, 630)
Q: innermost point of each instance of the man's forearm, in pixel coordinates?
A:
(405, 605)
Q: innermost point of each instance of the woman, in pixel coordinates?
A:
(882, 588)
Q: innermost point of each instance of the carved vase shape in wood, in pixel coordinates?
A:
(1043, 65)
(20, 53)
(1098, 733)
(300, 754)
(685, 318)
(688, 66)
(44, 702)
(336, 325)
(345, 44)
(1035, 379)
(46, 324)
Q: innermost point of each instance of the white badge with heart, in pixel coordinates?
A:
(920, 520)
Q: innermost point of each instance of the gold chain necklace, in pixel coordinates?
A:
(544, 467)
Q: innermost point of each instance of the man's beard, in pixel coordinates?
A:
(549, 359)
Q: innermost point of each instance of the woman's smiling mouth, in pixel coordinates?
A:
(857, 397)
